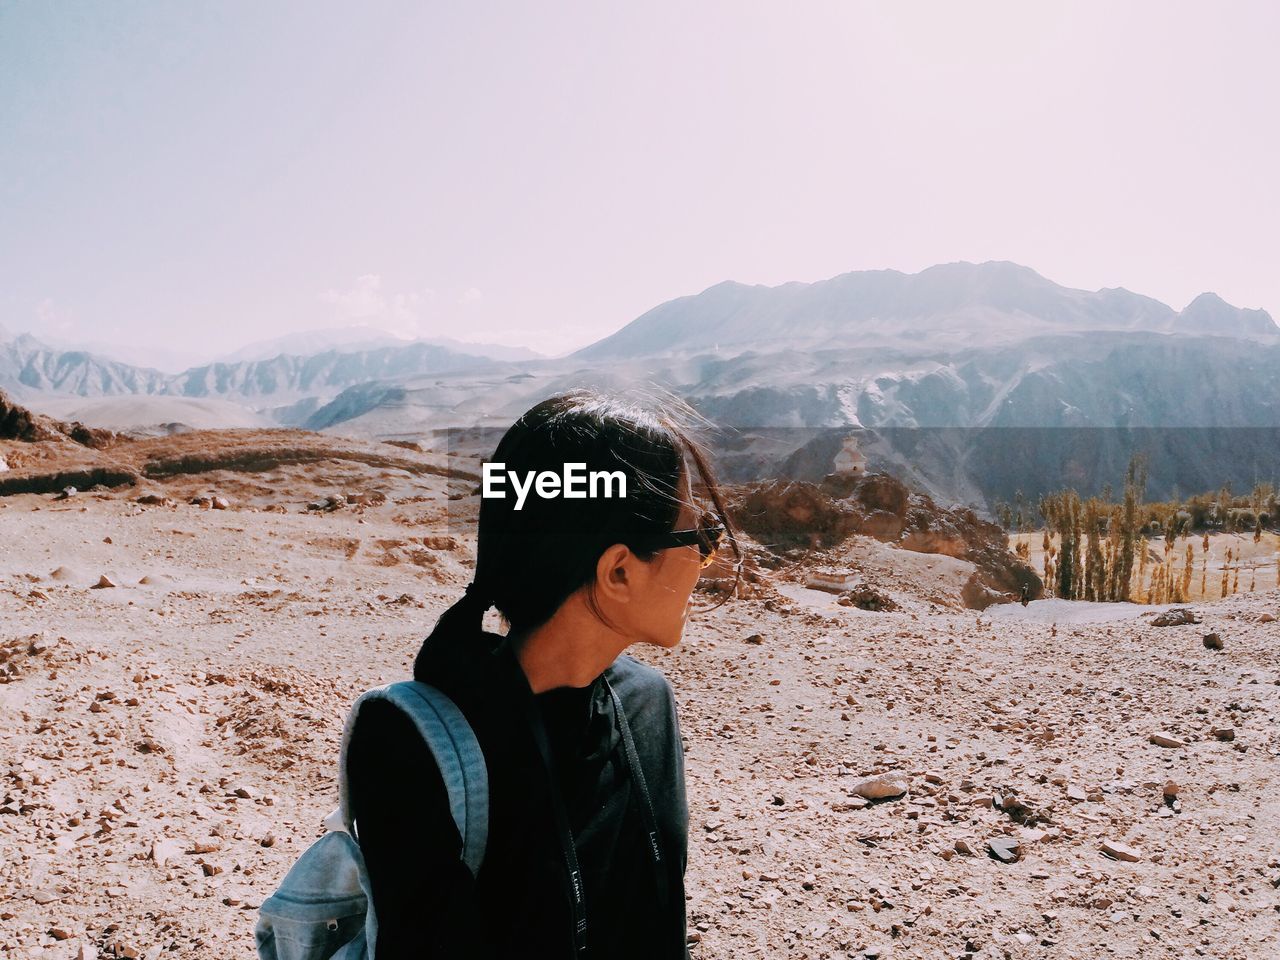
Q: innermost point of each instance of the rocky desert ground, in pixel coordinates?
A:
(1060, 780)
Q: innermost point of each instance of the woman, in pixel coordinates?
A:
(587, 833)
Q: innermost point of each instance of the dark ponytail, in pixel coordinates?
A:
(529, 561)
(464, 619)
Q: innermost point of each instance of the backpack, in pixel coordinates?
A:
(322, 909)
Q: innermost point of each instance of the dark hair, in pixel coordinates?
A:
(529, 561)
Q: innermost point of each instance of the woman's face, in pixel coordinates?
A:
(666, 585)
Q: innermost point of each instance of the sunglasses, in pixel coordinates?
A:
(707, 536)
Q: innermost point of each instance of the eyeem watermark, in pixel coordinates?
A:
(573, 483)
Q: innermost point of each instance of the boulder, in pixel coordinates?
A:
(1176, 617)
(1121, 851)
(881, 787)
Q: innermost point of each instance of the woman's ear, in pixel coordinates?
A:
(614, 579)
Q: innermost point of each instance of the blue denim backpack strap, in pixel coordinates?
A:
(322, 909)
(452, 742)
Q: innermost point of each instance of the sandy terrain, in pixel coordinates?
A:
(167, 747)
(143, 413)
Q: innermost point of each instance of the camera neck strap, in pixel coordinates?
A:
(568, 848)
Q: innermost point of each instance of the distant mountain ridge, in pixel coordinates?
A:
(945, 309)
(951, 305)
(361, 338)
(27, 365)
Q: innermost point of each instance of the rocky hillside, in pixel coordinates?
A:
(794, 518)
(17, 423)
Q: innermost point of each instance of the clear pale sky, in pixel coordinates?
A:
(208, 174)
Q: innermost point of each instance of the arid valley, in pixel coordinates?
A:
(1063, 780)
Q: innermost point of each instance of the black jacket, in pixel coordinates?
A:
(427, 903)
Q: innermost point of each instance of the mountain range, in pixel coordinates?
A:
(950, 305)
(948, 353)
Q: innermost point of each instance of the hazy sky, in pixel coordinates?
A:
(204, 175)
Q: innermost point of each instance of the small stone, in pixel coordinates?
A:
(755, 638)
(67, 493)
(881, 787)
(206, 846)
(1170, 789)
(39, 643)
(1165, 740)
(245, 793)
(220, 503)
(1076, 794)
(1212, 641)
(853, 803)
(1005, 849)
(1224, 734)
(1267, 618)
(964, 848)
(104, 582)
(1120, 851)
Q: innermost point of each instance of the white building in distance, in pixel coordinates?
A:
(850, 461)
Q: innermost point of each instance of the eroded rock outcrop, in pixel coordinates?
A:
(19, 423)
(784, 515)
